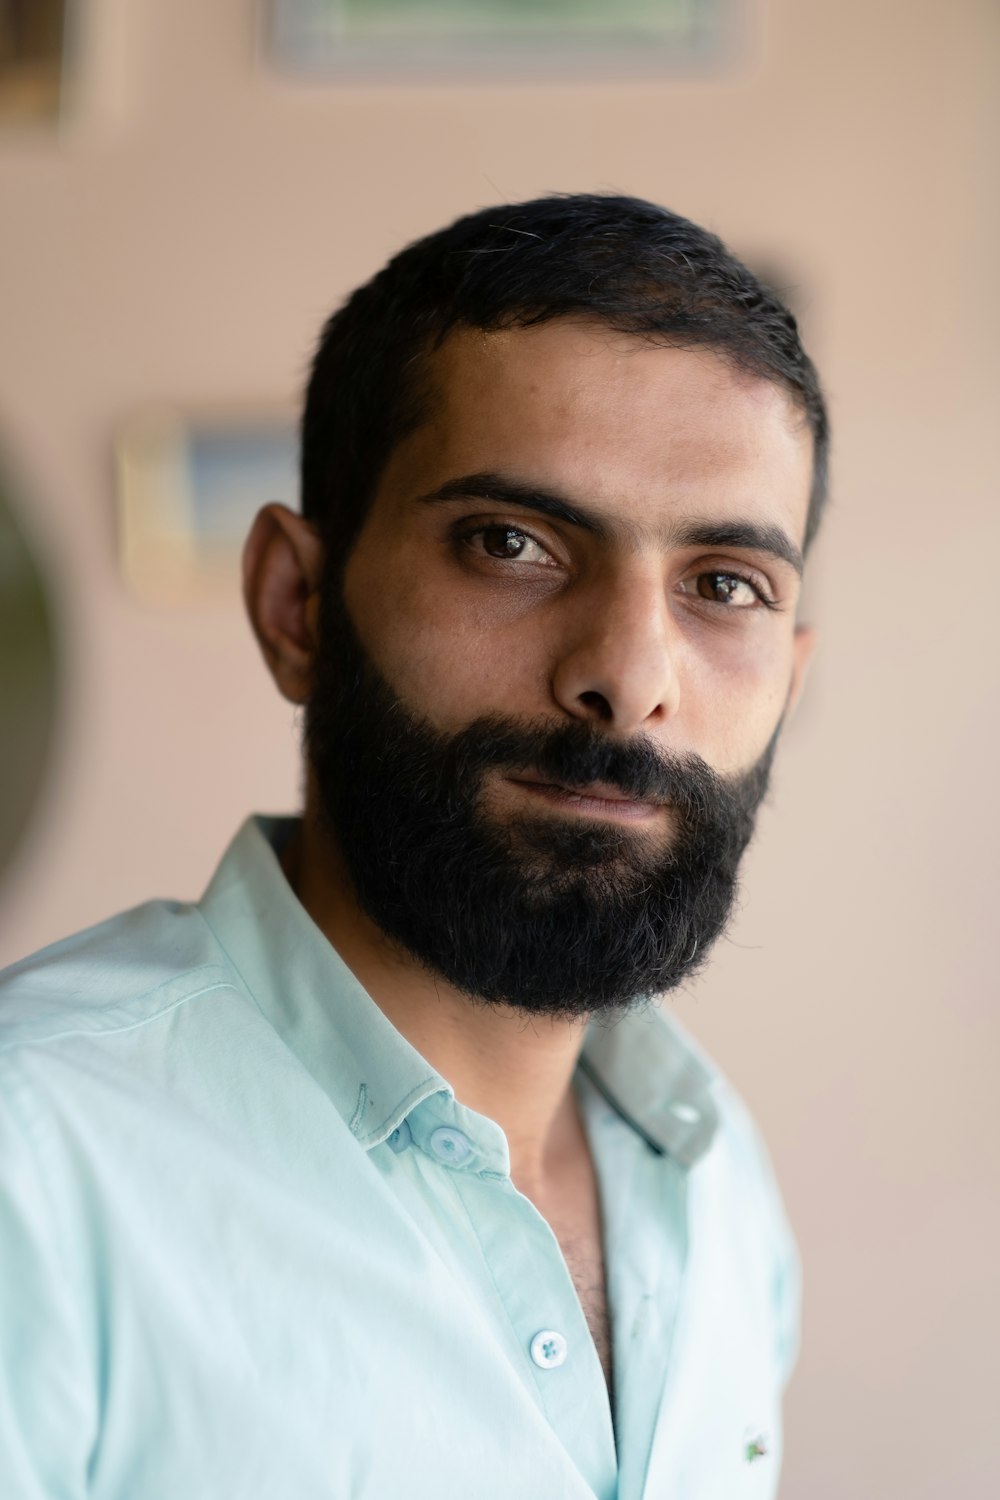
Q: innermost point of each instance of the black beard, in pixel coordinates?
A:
(548, 914)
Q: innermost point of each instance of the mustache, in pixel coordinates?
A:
(578, 754)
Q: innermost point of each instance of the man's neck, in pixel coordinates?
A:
(514, 1068)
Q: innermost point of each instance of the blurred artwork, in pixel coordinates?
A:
(189, 485)
(28, 679)
(32, 40)
(399, 37)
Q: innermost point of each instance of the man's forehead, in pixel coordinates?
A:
(611, 419)
(576, 353)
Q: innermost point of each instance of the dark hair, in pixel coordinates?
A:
(631, 264)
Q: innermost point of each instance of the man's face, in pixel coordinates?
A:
(470, 606)
(569, 622)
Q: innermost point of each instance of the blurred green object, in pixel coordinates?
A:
(28, 679)
(339, 36)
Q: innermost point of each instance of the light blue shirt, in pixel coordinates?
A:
(253, 1248)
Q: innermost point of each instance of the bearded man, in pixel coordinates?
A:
(377, 1173)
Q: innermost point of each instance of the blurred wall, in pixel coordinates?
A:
(183, 240)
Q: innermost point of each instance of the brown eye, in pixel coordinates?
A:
(508, 544)
(503, 541)
(728, 589)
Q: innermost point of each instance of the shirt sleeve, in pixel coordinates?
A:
(46, 1420)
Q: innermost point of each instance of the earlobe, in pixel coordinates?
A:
(803, 647)
(282, 573)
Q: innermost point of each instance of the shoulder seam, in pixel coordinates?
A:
(114, 1019)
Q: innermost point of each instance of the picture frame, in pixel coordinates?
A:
(455, 39)
(188, 484)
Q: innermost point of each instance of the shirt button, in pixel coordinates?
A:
(401, 1137)
(450, 1145)
(685, 1112)
(548, 1349)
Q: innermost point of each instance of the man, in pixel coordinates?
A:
(376, 1174)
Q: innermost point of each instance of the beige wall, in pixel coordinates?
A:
(184, 240)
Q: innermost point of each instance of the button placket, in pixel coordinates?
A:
(558, 1362)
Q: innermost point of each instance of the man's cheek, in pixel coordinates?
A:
(730, 708)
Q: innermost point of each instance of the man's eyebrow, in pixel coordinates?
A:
(499, 490)
(748, 536)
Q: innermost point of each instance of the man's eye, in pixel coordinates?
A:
(510, 543)
(729, 589)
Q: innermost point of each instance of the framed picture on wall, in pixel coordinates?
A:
(406, 38)
(188, 486)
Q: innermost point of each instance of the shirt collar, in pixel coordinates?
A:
(643, 1064)
(307, 992)
(655, 1078)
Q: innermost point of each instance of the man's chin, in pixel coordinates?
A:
(543, 831)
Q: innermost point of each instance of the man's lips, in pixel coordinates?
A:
(597, 799)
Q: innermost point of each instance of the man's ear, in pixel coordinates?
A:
(282, 571)
(803, 646)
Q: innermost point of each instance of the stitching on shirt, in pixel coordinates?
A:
(490, 1272)
(359, 1109)
(15, 1042)
(416, 1096)
(237, 969)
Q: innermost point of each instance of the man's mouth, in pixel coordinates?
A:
(598, 799)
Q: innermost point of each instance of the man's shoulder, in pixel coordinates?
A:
(119, 974)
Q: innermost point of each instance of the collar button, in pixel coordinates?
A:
(686, 1113)
(450, 1145)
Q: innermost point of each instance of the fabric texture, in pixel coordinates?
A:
(251, 1245)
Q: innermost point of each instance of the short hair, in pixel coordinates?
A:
(632, 265)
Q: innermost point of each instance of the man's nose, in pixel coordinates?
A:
(619, 663)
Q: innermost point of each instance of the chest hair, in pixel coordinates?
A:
(585, 1262)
